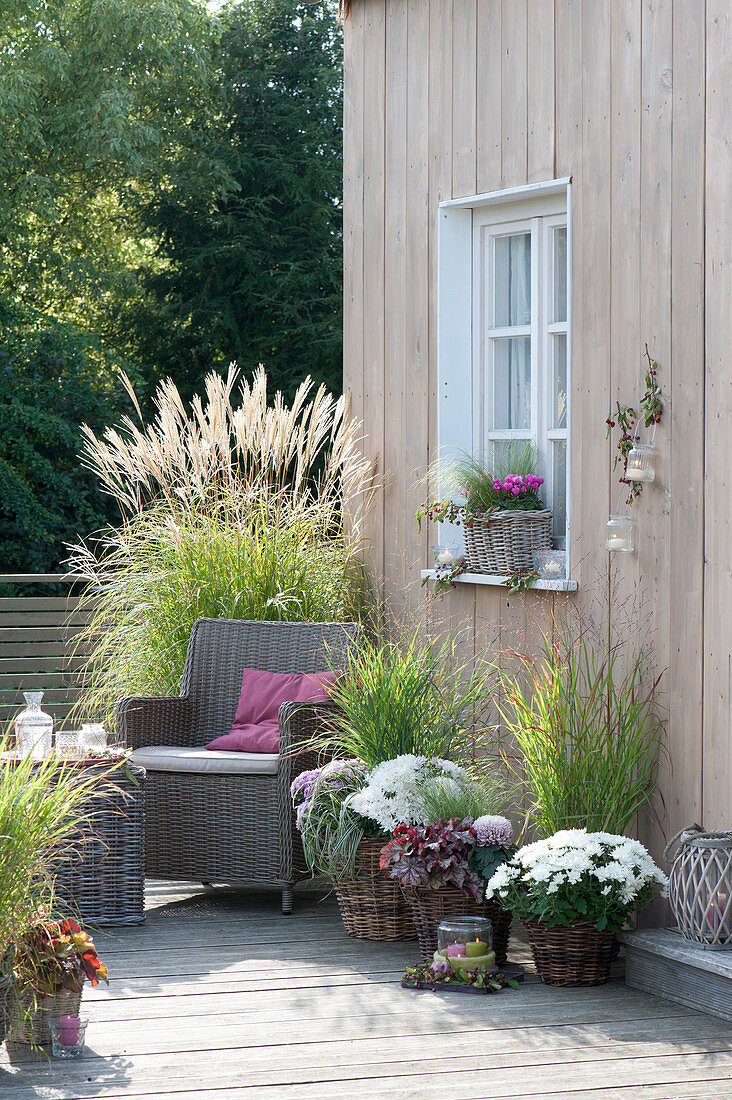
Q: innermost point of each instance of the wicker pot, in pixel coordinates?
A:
(372, 906)
(577, 955)
(505, 542)
(429, 907)
(700, 886)
(31, 1020)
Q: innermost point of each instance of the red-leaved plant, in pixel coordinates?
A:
(434, 856)
(55, 955)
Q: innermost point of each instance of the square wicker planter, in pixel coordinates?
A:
(507, 540)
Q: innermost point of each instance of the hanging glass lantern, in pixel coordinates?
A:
(619, 534)
(641, 462)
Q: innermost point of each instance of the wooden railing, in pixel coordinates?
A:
(38, 646)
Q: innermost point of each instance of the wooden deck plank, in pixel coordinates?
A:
(219, 997)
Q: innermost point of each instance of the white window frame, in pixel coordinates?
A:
(462, 403)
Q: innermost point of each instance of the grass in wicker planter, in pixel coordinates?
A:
(429, 907)
(372, 907)
(31, 1017)
(576, 955)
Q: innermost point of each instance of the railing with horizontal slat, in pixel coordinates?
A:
(39, 649)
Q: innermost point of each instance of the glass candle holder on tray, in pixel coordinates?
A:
(68, 743)
(466, 943)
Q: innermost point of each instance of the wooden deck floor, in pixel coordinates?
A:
(219, 997)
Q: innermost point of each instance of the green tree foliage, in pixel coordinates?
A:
(257, 276)
(97, 98)
(52, 377)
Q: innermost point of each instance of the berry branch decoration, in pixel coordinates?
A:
(627, 420)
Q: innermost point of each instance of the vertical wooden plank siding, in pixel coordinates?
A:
(417, 304)
(540, 90)
(514, 121)
(395, 288)
(591, 337)
(449, 98)
(685, 421)
(353, 215)
(626, 338)
(718, 406)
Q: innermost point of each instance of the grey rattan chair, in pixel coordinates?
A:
(230, 828)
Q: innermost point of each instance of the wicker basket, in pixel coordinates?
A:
(507, 541)
(700, 885)
(429, 907)
(31, 1020)
(576, 955)
(6, 983)
(372, 906)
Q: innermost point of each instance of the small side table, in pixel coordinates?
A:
(102, 879)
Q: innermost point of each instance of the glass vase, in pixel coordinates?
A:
(34, 728)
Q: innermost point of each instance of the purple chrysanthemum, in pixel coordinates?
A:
(493, 829)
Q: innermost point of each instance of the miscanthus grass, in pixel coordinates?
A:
(234, 508)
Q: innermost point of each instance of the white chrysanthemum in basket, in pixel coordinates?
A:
(391, 794)
(576, 875)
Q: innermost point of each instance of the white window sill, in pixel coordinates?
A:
(485, 578)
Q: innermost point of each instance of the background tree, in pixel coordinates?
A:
(257, 276)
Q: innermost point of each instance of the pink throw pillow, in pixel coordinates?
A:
(256, 722)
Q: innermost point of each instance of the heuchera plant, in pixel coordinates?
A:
(435, 856)
(56, 955)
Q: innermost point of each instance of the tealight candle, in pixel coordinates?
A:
(476, 948)
(446, 557)
(615, 544)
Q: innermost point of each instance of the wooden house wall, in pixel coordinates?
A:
(448, 98)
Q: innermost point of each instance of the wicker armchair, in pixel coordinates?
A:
(205, 826)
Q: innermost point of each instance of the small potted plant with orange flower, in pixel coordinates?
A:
(53, 960)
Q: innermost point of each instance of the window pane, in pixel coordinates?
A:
(559, 482)
(560, 274)
(558, 416)
(512, 382)
(512, 290)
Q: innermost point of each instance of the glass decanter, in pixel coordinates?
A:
(34, 728)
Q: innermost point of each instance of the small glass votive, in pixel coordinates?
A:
(619, 534)
(93, 737)
(641, 463)
(68, 743)
(67, 1036)
(551, 565)
(447, 556)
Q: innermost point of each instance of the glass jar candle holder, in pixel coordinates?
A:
(551, 565)
(93, 737)
(641, 463)
(68, 1034)
(466, 943)
(447, 556)
(68, 742)
(619, 535)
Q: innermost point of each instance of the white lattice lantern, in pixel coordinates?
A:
(700, 886)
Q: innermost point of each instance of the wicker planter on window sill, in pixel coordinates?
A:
(429, 907)
(372, 906)
(578, 954)
(506, 541)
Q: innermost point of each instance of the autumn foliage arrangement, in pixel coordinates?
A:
(434, 856)
(56, 955)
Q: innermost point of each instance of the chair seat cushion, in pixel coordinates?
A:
(173, 758)
(256, 723)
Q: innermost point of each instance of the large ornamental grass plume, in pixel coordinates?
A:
(234, 508)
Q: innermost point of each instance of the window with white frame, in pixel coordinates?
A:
(504, 309)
